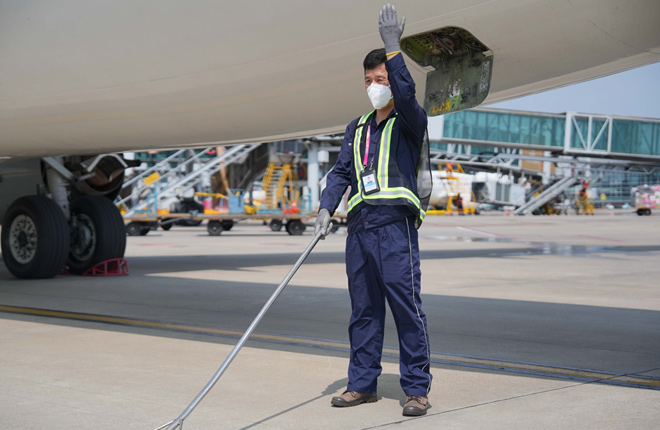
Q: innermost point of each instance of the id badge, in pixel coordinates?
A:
(369, 182)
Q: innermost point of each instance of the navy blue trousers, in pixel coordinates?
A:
(383, 264)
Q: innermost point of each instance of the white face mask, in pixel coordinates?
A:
(379, 95)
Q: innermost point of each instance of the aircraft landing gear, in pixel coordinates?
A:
(72, 222)
(97, 233)
(37, 241)
(35, 238)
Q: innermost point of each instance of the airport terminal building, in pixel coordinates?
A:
(621, 152)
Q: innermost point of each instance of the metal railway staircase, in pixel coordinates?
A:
(556, 189)
(171, 183)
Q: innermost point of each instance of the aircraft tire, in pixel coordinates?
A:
(97, 233)
(34, 220)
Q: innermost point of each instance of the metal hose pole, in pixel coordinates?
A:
(178, 422)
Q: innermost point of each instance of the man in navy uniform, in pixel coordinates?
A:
(380, 159)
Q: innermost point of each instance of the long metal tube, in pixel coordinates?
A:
(179, 421)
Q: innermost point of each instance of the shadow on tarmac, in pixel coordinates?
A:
(329, 391)
(388, 389)
(612, 339)
(167, 264)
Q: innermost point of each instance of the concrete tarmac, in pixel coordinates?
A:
(535, 323)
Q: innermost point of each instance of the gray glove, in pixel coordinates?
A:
(390, 30)
(322, 223)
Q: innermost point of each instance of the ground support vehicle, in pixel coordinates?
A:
(643, 211)
(140, 225)
(645, 198)
(231, 208)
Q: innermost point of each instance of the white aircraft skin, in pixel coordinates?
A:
(92, 76)
(86, 77)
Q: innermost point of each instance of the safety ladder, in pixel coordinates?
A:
(151, 175)
(556, 189)
(271, 183)
(279, 186)
(169, 185)
(155, 169)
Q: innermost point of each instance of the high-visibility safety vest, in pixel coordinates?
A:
(393, 190)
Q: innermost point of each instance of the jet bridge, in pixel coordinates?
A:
(624, 152)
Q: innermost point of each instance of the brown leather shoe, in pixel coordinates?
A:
(415, 406)
(353, 398)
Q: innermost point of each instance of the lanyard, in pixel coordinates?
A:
(366, 149)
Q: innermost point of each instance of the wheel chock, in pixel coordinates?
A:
(112, 267)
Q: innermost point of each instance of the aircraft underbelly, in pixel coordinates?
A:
(94, 76)
(18, 178)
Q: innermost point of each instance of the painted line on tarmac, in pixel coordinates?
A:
(485, 233)
(534, 369)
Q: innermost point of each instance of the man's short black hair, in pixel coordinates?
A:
(374, 59)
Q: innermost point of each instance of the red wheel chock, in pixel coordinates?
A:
(112, 267)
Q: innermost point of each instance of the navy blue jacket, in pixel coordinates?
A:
(409, 129)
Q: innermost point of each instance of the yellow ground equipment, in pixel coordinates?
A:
(450, 182)
(582, 202)
(281, 193)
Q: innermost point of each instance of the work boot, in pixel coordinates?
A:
(415, 406)
(353, 398)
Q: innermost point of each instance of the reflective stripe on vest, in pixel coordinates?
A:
(382, 170)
